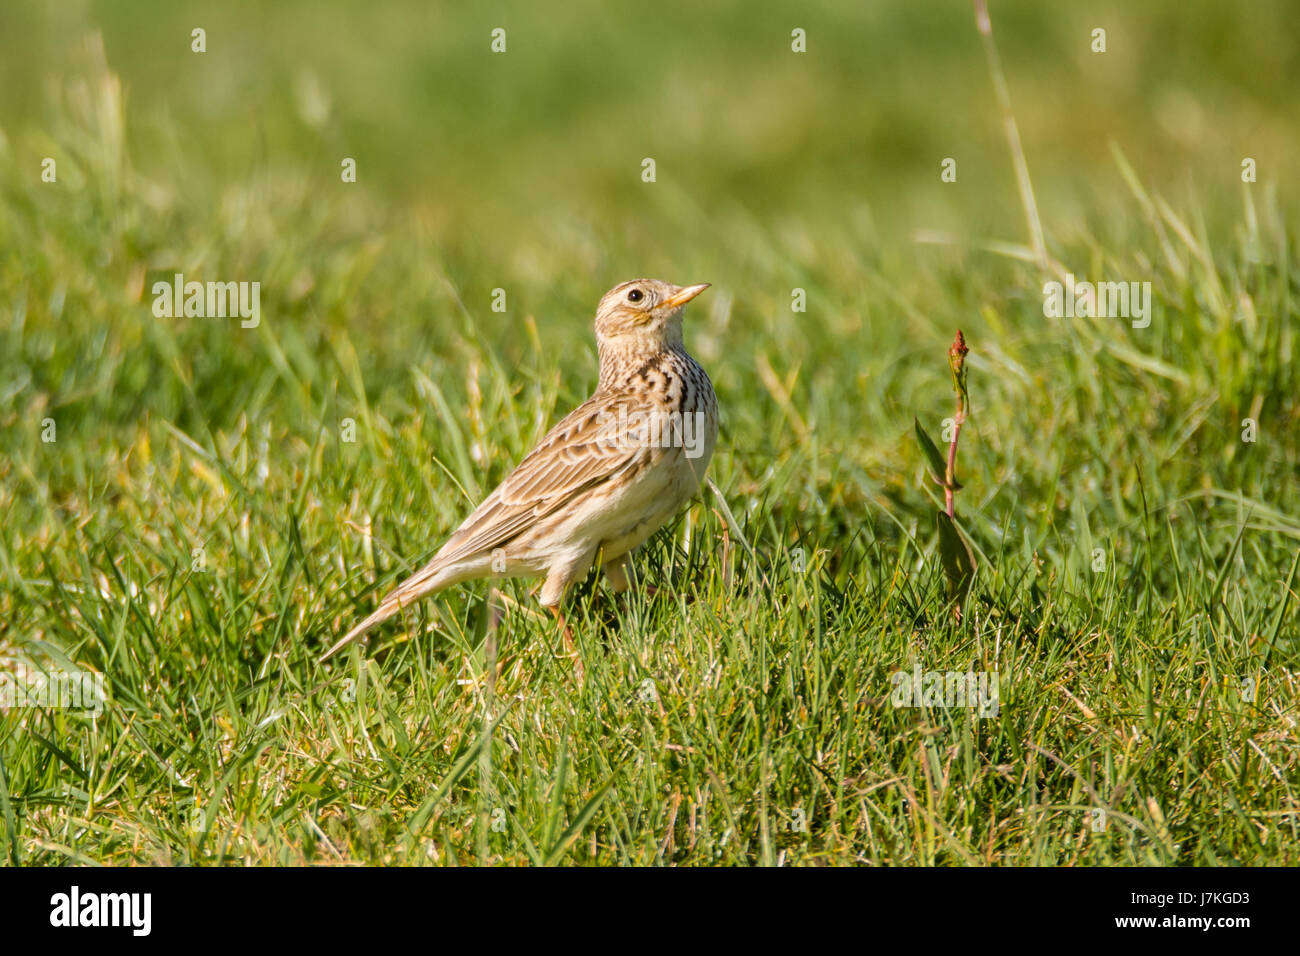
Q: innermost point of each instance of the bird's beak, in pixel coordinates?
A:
(684, 295)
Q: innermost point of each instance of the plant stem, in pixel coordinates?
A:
(956, 362)
(949, 496)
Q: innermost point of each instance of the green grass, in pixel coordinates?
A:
(199, 531)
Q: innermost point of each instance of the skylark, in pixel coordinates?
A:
(601, 481)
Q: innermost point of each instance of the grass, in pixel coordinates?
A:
(199, 529)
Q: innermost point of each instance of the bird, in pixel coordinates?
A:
(604, 479)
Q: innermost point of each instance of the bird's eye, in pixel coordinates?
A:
(635, 295)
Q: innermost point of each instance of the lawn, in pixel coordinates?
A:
(193, 508)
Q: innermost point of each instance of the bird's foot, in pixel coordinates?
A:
(653, 590)
(570, 649)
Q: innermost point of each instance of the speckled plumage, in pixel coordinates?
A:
(602, 480)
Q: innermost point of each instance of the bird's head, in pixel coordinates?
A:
(643, 314)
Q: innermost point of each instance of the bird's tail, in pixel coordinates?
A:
(432, 577)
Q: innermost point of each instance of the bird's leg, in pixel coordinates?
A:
(569, 646)
(496, 609)
(558, 579)
(650, 590)
(496, 614)
(616, 574)
(654, 590)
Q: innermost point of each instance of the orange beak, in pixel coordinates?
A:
(684, 295)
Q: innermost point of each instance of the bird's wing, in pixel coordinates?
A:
(596, 441)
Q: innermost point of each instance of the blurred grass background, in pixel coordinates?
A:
(474, 143)
(522, 171)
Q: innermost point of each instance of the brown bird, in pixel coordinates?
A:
(601, 481)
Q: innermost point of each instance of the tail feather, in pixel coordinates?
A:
(432, 577)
